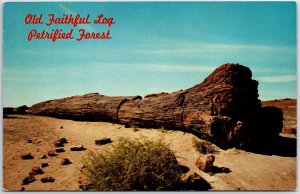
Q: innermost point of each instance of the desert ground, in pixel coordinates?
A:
(248, 171)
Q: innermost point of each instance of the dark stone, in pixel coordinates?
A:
(52, 153)
(77, 148)
(58, 143)
(47, 179)
(26, 156)
(37, 170)
(29, 179)
(65, 161)
(59, 149)
(43, 165)
(103, 141)
(63, 140)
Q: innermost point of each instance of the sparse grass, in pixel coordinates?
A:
(204, 147)
(134, 164)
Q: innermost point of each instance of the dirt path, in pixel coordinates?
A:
(249, 171)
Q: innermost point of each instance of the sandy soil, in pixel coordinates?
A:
(249, 171)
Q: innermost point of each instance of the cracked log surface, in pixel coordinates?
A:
(89, 107)
(216, 109)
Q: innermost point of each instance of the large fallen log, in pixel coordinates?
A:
(223, 108)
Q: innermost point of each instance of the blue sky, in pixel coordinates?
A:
(155, 47)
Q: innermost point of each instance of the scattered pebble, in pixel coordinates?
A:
(37, 170)
(26, 156)
(43, 165)
(29, 179)
(102, 141)
(60, 149)
(77, 148)
(47, 179)
(58, 144)
(63, 140)
(52, 153)
(65, 161)
(44, 156)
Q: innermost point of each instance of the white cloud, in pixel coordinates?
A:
(201, 48)
(280, 78)
(175, 68)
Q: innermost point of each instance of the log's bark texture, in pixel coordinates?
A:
(218, 109)
(154, 111)
(90, 107)
(228, 91)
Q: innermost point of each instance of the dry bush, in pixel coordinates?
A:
(134, 165)
(204, 147)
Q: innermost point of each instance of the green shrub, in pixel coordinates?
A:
(133, 165)
(204, 147)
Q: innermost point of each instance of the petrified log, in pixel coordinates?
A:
(218, 109)
(89, 107)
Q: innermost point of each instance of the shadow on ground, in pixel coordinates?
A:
(268, 141)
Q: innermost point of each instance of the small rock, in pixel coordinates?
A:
(29, 141)
(22, 189)
(44, 156)
(61, 127)
(32, 173)
(37, 170)
(205, 162)
(52, 153)
(28, 179)
(102, 141)
(60, 149)
(47, 179)
(63, 140)
(65, 161)
(58, 144)
(26, 156)
(77, 148)
(43, 165)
